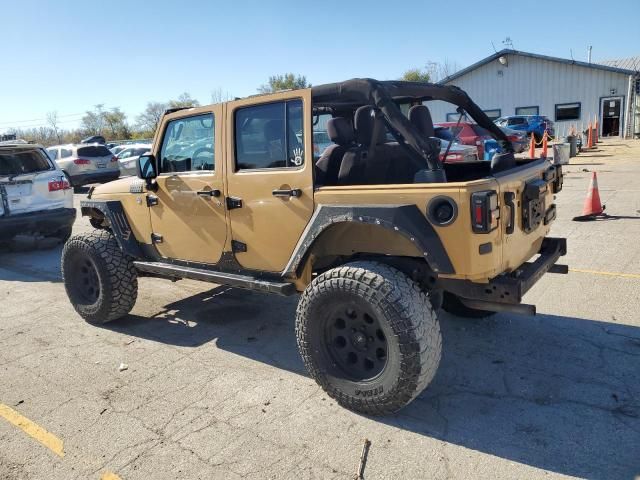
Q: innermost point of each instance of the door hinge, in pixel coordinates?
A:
(156, 238)
(151, 200)
(238, 247)
(234, 202)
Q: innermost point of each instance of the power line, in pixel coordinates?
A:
(44, 119)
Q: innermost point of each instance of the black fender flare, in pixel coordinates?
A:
(113, 211)
(406, 220)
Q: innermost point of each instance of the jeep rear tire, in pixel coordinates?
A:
(369, 336)
(452, 304)
(100, 280)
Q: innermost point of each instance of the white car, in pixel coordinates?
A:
(35, 195)
(85, 163)
(128, 157)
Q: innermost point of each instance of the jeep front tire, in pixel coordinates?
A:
(368, 335)
(100, 280)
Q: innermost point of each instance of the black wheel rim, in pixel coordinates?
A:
(85, 281)
(355, 341)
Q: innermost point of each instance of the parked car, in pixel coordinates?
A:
(531, 124)
(117, 148)
(94, 139)
(466, 133)
(127, 158)
(85, 164)
(518, 139)
(36, 196)
(458, 153)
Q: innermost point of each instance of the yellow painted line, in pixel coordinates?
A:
(46, 438)
(609, 274)
(109, 476)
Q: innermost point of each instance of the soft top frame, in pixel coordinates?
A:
(383, 95)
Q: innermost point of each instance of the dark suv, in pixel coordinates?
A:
(532, 124)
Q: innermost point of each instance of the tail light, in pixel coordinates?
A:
(55, 185)
(81, 161)
(484, 211)
(114, 159)
(452, 157)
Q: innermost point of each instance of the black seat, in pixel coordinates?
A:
(420, 117)
(341, 133)
(353, 168)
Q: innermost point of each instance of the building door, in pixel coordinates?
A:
(611, 115)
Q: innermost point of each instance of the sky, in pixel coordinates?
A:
(68, 56)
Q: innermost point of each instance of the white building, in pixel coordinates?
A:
(569, 92)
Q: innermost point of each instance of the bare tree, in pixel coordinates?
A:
(93, 121)
(440, 70)
(219, 96)
(150, 118)
(52, 120)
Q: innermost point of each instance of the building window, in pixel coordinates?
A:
(493, 114)
(567, 111)
(527, 110)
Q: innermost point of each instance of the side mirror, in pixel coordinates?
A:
(146, 167)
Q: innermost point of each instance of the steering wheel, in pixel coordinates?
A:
(201, 151)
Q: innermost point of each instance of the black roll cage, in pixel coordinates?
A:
(383, 96)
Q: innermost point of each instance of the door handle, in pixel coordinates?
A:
(209, 193)
(292, 192)
(508, 201)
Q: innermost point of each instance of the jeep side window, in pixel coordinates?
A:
(188, 145)
(269, 136)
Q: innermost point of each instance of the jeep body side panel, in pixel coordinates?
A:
(461, 245)
(401, 221)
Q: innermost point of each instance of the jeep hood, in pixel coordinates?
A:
(122, 185)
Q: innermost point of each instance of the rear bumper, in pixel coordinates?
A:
(43, 222)
(505, 292)
(95, 177)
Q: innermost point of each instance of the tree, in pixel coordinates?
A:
(416, 75)
(52, 120)
(93, 121)
(184, 100)
(116, 124)
(288, 81)
(219, 96)
(150, 118)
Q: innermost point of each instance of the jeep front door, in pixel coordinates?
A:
(187, 210)
(270, 177)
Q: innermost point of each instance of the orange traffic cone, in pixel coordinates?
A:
(532, 147)
(589, 136)
(592, 206)
(544, 146)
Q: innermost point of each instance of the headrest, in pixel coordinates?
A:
(420, 117)
(365, 122)
(340, 131)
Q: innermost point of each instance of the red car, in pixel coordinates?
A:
(466, 133)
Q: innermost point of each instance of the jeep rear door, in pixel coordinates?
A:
(269, 177)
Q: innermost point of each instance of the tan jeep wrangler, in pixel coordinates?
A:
(375, 230)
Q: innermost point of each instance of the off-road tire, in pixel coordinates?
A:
(115, 277)
(451, 304)
(404, 313)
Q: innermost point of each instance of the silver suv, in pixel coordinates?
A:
(35, 196)
(83, 164)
